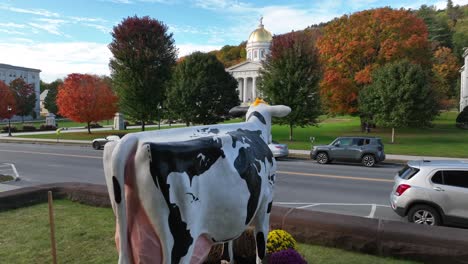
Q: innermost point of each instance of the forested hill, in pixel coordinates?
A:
(447, 27)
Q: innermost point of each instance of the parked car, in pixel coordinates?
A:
(279, 150)
(432, 192)
(99, 143)
(367, 150)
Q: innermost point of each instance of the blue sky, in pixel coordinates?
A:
(64, 36)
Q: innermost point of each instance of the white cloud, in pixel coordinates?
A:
(50, 25)
(12, 32)
(101, 28)
(39, 12)
(12, 25)
(224, 5)
(57, 60)
(443, 4)
(88, 19)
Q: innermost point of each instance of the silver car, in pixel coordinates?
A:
(367, 150)
(432, 192)
(99, 143)
(279, 150)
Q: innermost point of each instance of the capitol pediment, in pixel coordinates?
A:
(245, 66)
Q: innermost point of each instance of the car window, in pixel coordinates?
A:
(407, 172)
(437, 178)
(358, 142)
(366, 141)
(346, 141)
(456, 178)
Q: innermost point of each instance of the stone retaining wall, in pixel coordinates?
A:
(373, 236)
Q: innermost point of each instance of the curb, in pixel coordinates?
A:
(44, 142)
(371, 236)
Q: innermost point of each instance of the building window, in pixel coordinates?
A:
(262, 53)
(255, 54)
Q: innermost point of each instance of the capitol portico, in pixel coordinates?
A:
(246, 73)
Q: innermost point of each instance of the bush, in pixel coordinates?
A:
(94, 125)
(462, 118)
(288, 256)
(29, 128)
(13, 129)
(47, 127)
(280, 240)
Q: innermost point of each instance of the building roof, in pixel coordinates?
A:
(260, 35)
(8, 66)
(245, 66)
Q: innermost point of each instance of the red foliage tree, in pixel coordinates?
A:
(7, 98)
(25, 97)
(86, 98)
(352, 47)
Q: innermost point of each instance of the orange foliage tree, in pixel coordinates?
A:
(86, 98)
(445, 68)
(353, 46)
(7, 99)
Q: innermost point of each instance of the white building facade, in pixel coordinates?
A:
(8, 73)
(246, 73)
(464, 82)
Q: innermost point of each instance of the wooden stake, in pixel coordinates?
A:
(52, 227)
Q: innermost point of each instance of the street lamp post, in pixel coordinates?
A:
(9, 118)
(159, 116)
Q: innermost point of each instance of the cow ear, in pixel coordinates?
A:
(279, 110)
(238, 111)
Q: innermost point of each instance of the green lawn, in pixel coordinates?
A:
(60, 123)
(442, 139)
(85, 234)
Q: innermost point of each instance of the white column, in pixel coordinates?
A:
(254, 88)
(244, 93)
(240, 87)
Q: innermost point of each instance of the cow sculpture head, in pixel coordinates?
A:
(261, 111)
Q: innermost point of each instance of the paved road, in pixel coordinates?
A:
(343, 188)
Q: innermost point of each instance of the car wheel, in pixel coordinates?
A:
(96, 145)
(322, 158)
(424, 215)
(368, 160)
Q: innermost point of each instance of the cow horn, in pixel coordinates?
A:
(238, 111)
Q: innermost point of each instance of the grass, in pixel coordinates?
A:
(443, 139)
(85, 234)
(4, 178)
(60, 123)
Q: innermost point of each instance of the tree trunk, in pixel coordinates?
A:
(89, 127)
(187, 123)
(393, 135)
(142, 125)
(290, 132)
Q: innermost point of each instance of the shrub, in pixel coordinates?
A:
(29, 128)
(47, 127)
(462, 118)
(287, 256)
(13, 129)
(94, 125)
(280, 240)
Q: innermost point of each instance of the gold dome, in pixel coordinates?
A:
(260, 35)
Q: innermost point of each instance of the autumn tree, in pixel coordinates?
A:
(143, 57)
(445, 70)
(353, 46)
(7, 99)
(86, 98)
(202, 91)
(50, 102)
(25, 97)
(399, 96)
(291, 75)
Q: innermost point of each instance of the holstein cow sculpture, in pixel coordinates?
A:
(176, 192)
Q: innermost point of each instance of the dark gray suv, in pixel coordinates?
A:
(367, 150)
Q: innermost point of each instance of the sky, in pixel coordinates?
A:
(60, 37)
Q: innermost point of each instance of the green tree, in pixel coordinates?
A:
(50, 102)
(144, 55)
(462, 118)
(25, 97)
(202, 91)
(439, 30)
(454, 12)
(399, 96)
(291, 77)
